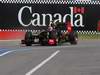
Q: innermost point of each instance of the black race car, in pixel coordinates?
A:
(52, 38)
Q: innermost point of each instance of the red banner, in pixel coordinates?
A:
(11, 35)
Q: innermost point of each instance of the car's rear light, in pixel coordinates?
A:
(51, 41)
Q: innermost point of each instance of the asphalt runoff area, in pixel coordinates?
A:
(66, 59)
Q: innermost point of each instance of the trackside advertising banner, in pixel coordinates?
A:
(38, 16)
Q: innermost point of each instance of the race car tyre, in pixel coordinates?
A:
(43, 38)
(28, 38)
(73, 38)
(28, 35)
(28, 44)
(74, 42)
(56, 42)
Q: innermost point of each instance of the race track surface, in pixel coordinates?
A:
(81, 59)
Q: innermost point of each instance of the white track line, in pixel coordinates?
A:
(42, 63)
(5, 53)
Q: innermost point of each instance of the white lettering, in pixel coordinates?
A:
(79, 22)
(58, 19)
(20, 15)
(70, 15)
(36, 21)
(44, 19)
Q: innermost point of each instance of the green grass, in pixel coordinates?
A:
(89, 36)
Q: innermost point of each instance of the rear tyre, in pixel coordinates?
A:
(28, 38)
(43, 38)
(73, 38)
(28, 44)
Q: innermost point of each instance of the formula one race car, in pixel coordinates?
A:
(51, 37)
